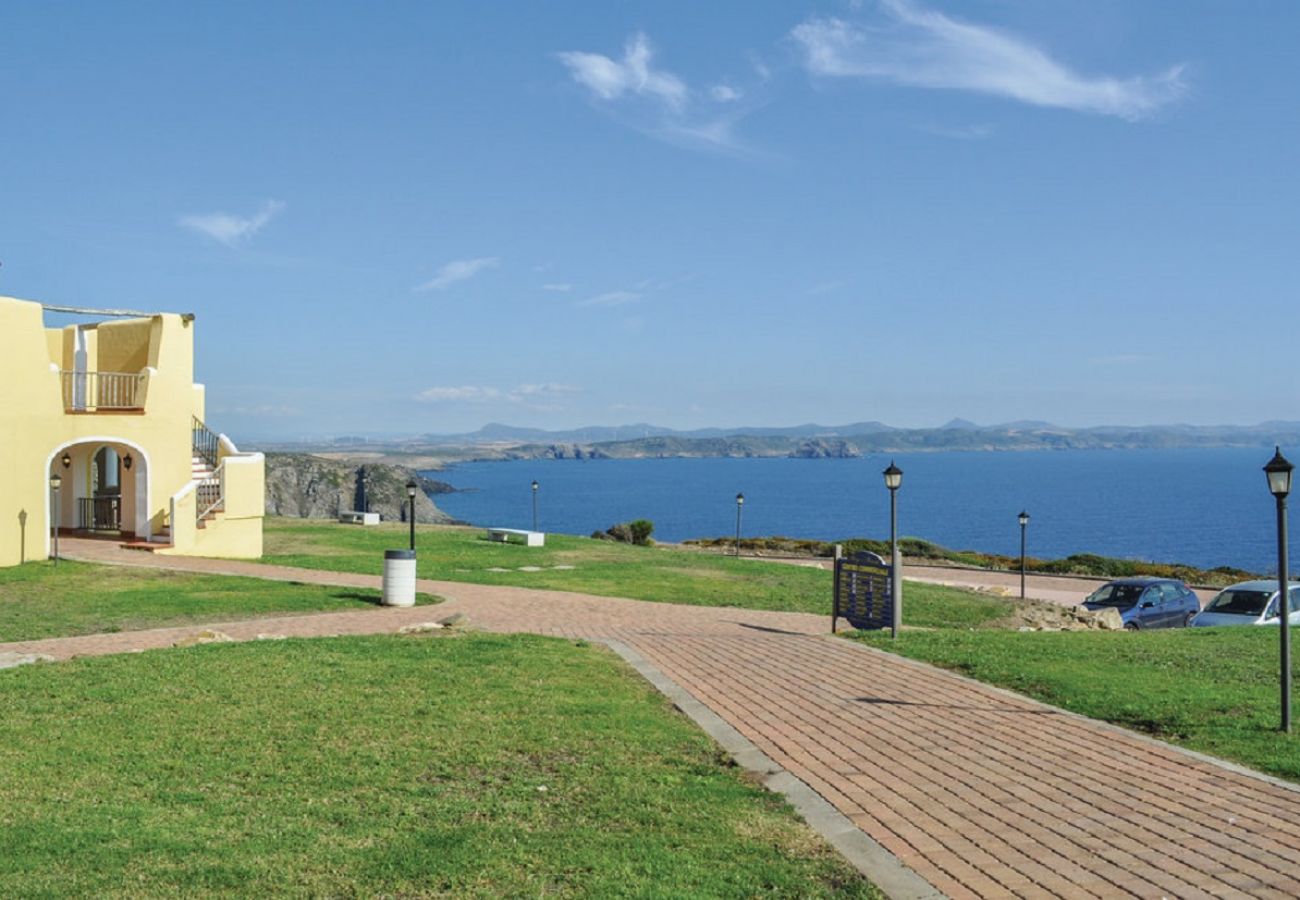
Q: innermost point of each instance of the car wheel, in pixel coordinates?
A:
(1129, 626)
(1187, 619)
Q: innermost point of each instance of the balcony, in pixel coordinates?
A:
(98, 392)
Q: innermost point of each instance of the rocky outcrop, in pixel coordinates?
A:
(312, 487)
(822, 448)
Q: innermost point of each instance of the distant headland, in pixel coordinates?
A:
(642, 441)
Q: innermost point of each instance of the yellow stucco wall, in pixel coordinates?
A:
(36, 429)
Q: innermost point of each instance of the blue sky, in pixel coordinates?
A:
(417, 217)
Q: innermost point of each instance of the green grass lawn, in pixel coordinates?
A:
(40, 600)
(600, 567)
(468, 765)
(1208, 689)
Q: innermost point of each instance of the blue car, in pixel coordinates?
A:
(1147, 602)
(1248, 603)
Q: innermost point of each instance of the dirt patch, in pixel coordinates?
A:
(1039, 615)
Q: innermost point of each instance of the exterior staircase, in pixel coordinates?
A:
(208, 488)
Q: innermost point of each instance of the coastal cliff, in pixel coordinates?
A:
(312, 487)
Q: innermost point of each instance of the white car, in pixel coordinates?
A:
(1248, 603)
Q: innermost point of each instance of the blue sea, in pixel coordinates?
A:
(1207, 507)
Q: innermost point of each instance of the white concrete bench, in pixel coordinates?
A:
(353, 517)
(518, 536)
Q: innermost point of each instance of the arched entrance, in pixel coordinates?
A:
(104, 487)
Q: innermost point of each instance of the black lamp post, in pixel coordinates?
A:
(740, 504)
(56, 482)
(411, 488)
(535, 487)
(1024, 523)
(1279, 471)
(893, 479)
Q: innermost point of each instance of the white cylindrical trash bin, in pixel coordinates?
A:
(399, 578)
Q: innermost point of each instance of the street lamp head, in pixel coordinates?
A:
(56, 481)
(66, 460)
(1024, 518)
(1278, 471)
(535, 486)
(411, 488)
(740, 499)
(893, 476)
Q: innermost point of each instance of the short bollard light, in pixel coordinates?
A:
(535, 487)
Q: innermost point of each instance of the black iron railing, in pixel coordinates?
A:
(99, 513)
(204, 442)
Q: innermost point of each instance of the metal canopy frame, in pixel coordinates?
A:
(111, 313)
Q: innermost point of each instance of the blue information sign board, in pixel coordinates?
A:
(862, 592)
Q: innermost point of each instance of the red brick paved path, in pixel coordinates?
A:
(982, 793)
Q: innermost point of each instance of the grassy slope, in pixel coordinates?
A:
(599, 567)
(40, 600)
(1208, 689)
(472, 765)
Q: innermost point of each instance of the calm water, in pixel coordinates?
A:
(1206, 507)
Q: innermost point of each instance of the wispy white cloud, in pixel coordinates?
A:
(541, 396)
(657, 101)
(610, 79)
(467, 393)
(558, 287)
(923, 48)
(230, 229)
(611, 298)
(455, 271)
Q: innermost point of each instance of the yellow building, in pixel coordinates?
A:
(110, 410)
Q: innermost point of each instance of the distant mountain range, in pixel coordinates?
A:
(641, 441)
(957, 431)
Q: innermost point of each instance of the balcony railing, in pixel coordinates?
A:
(103, 391)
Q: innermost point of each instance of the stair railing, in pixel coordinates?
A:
(210, 493)
(204, 441)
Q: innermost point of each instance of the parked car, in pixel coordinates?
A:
(1147, 602)
(1248, 603)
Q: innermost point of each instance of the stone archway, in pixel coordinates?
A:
(105, 486)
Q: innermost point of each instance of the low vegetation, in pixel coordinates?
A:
(1088, 564)
(637, 532)
(475, 765)
(41, 600)
(606, 568)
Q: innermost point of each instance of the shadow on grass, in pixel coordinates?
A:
(373, 598)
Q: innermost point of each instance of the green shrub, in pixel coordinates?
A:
(637, 532)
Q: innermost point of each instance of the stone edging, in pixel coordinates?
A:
(886, 871)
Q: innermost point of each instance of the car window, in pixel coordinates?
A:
(1295, 603)
(1121, 596)
(1170, 593)
(1240, 602)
